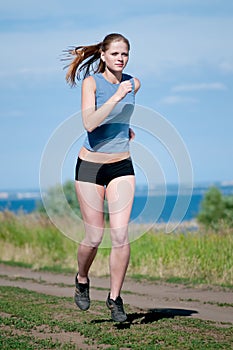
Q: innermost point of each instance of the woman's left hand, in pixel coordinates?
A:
(131, 134)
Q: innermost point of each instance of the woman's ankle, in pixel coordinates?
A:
(82, 279)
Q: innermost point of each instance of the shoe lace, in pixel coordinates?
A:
(85, 293)
(119, 305)
(83, 290)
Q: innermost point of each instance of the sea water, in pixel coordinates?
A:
(27, 202)
(139, 214)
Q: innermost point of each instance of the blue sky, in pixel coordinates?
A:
(180, 50)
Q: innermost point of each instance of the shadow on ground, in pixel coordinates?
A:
(150, 316)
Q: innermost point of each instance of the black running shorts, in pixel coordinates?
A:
(102, 174)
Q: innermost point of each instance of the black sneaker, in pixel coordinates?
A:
(81, 296)
(117, 311)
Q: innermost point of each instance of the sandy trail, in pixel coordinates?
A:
(200, 302)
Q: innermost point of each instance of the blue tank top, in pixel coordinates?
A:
(112, 135)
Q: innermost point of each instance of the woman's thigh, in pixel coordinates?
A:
(120, 196)
(91, 201)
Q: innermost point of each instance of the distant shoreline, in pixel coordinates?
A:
(145, 208)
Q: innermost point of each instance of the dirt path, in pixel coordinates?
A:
(202, 303)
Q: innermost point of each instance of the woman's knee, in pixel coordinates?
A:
(93, 236)
(119, 237)
(92, 243)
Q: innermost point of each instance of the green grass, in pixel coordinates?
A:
(208, 302)
(31, 320)
(197, 257)
(192, 257)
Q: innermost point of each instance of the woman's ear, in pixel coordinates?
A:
(102, 56)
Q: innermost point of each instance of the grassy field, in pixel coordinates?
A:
(190, 257)
(31, 320)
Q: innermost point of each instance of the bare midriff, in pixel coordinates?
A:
(99, 157)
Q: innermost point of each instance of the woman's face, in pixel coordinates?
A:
(116, 56)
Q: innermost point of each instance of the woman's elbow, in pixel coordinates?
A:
(88, 127)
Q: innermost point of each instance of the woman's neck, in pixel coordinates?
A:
(112, 77)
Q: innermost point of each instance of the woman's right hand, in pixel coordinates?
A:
(93, 117)
(124, 88)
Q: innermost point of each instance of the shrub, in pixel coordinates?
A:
(216, 209)
(55, 202)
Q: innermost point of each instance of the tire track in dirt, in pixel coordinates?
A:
(201, 302)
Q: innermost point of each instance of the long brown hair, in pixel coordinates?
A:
(90, 57)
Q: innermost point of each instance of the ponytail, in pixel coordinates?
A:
(86, 58)
(82, 53)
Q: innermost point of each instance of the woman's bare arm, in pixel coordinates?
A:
(93, 117)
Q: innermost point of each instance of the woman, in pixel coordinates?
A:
(104, 167)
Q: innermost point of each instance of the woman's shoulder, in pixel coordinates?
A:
(89, 78)
(94, 78)
(89, 82)
(137, 84)
(136, 80)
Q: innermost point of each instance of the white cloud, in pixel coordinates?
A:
(170, 42)
(165, 44)
(198, 87)
(39, 9)
(175, 99)
(161, 44)
(14, 113)
(226, 66)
